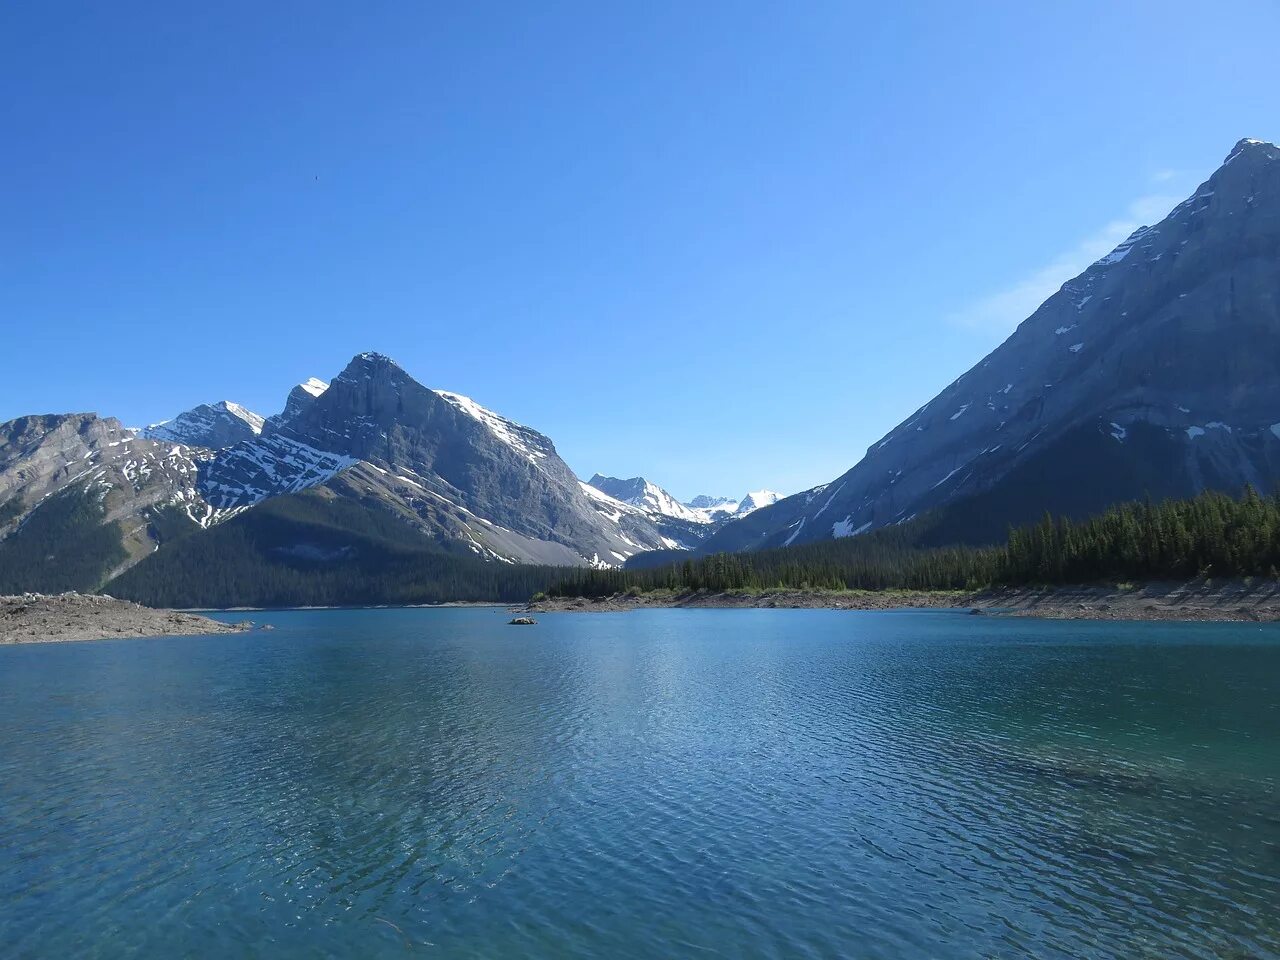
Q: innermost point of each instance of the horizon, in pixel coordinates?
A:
(661, 290)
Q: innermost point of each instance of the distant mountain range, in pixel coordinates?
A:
(1156, 372)
(660, 505)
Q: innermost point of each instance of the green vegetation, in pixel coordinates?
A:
(62, 545)
(310, 550)
(10, 509)
(1211, 533)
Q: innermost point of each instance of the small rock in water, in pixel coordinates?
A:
(523, 622)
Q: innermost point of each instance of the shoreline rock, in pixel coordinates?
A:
(41, 618)
(1201, 599)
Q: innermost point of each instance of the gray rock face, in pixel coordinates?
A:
(676, 522)
(210, 425)
(1157, 370)
(300, 397)
(131, 483)
(435, 459)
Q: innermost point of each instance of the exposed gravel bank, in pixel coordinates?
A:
(36, 618)
(1231, 600)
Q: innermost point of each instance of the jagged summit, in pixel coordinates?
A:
(650, 497)
(1262, 149)
(211, 425)
(438, 460)
(704, 501)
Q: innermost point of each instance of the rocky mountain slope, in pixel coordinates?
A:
(657, 502)
(210, 425)
(456, 476)
(688, 524)
(438, 460)
(681, 526)
(82, 498)
(650, 497)
(1156, 371)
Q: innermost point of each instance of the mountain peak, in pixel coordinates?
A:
(1254, 148)
(648, 496)
(704, 501)
(212, 425)
(366, 364)
(755, 500)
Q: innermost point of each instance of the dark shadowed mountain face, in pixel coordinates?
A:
(1156, 371)
(300, 397)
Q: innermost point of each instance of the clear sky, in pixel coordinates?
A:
(726, 245)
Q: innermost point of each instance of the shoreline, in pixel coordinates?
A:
(446, 605)
(1198, 600)
(72, 617)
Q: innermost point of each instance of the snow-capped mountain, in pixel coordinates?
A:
(755, 500)
(210, 425)
(82, 498)
(706, 502)
(1154, 372)
(300, 397)
(686, 524)
(649, 497)
(721, 509)
(436, 460)
(435, 465)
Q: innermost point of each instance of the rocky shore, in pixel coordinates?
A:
(769, 599)
(1249, 601)
(37, 618)
(1199, 599)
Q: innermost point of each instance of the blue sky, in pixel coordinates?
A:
(724, 245)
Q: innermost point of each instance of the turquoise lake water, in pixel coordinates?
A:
(667, 783)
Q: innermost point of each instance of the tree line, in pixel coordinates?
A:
(1211, 534)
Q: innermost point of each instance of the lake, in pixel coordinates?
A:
(664, 783)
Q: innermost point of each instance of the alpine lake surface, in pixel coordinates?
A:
(664, 783)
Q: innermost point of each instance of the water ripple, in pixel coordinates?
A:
(672, 783)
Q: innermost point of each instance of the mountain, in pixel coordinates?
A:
(685, 523)
(300, 397)
(83, 498)
(704, 502)
(439, 461)
(427, 470)
(210, 425)
(681, 527)
(650, 497)
(756, 500)
(1154, 372)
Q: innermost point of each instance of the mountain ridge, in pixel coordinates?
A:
(1161, 352)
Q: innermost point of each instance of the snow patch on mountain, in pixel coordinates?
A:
(212, 425)
(756, 500)
(647, 496)
(250, 472)
(529, 443)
